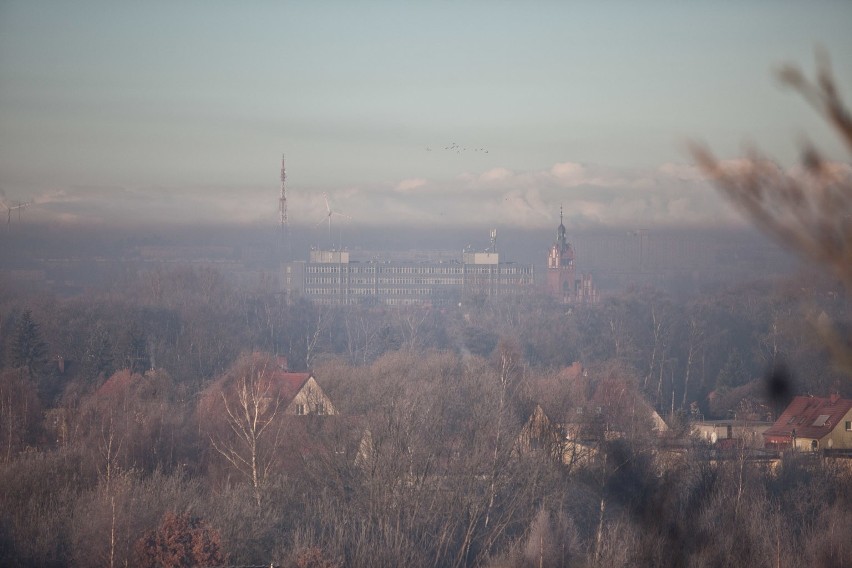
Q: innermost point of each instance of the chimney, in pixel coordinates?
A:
(834, 397)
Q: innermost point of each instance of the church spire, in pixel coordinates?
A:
(561, 240)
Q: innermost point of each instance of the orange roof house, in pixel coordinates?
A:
(813, 423)
(301, 394)
(295, 393)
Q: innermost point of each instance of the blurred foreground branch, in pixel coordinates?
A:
(808, 209)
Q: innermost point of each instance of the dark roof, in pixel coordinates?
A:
(810, 416)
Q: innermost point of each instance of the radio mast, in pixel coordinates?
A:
(282, 207)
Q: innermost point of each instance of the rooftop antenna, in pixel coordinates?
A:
(493, 240)
(329, 214)
(644, 246)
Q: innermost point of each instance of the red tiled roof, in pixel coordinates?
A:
(288, 384)
(811, 417)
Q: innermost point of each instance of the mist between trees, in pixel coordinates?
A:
(137, 429)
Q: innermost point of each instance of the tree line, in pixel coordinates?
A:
(109, 454)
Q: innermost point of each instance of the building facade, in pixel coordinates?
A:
(333, 278)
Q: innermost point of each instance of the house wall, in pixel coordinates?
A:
(312, 400)
(839, 438)
(751, 433)
(578, 454)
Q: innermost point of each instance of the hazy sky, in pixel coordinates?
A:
(180, 111)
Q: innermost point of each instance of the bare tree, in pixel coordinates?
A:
(695, 346)
(249, 405)
(363, 331)
(411, 323)
(19, 411)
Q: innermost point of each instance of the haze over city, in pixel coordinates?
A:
(554, 284)
(419, 114)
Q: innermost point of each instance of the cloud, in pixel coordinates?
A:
(496, 175)
(410, 184)
(685, 172)
(590, 195)
(568, 173)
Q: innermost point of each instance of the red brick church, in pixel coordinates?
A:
(562, 281)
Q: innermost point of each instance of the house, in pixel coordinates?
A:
(813, 423)
(297, 394)
(747, 433)
(543, 436)
(300, 394)
(266, 381)
(620, 409)
(591, 407)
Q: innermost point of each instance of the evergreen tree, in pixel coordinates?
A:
(734, 373)
(29, 351)
(98, 354)
(133, 350)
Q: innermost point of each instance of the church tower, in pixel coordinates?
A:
(560, 266)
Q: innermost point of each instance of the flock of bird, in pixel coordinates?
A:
(453, 147)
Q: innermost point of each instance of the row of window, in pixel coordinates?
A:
(302, 409)
(436, 281)
(418, 270)
(412, 281)
(370, 291)
(503, 286)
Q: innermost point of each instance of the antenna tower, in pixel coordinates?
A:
(282, 204)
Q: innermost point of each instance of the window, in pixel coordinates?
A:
(320, 409)
(821, 420)
(849, 425)
(300, 409)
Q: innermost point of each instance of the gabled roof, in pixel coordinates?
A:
(274, 371)
(288, 384)
(810, 416)
(117, 384)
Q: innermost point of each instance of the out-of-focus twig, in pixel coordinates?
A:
(809, 211)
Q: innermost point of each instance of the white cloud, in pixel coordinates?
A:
(496, 175)
(589, 194)
(569, 173)
(685, 172)
(410, 184)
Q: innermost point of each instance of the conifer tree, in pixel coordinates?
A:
(28, 348)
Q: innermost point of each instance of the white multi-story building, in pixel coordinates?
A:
(331, 277)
